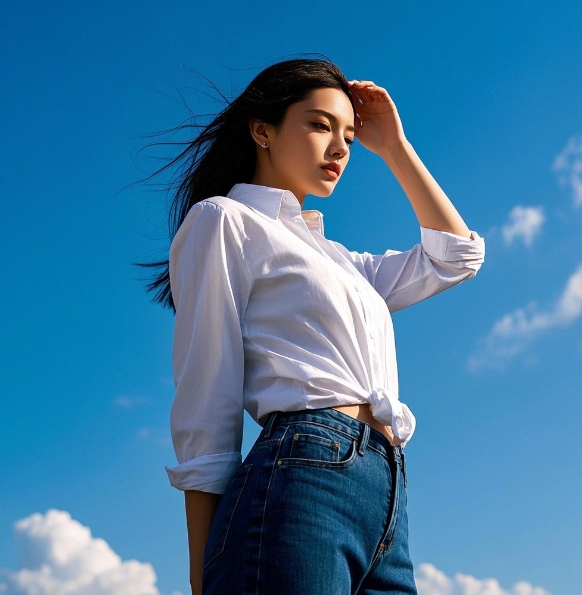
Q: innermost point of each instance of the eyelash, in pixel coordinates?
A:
(326, 128)
(322, 126)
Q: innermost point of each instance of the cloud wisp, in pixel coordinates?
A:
(432, 581)
(61, 557)
(525, 223)
(159, 436)
(131, 402)
(513, 333)
(568, 167)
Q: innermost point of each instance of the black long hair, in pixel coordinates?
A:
(224, 153)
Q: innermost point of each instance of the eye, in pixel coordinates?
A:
(349, 141)
(322, 126)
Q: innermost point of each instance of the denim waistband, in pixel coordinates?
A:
(359, 430)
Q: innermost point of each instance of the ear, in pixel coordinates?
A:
(260, 131)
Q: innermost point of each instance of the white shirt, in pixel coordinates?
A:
(272, 316)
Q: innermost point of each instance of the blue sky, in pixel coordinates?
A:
(490, 97)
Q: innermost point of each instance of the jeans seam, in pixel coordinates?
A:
(267, 493)
(339, 465)
(387, 540)
(246, 468)
(322, 425)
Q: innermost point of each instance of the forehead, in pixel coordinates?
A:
(333, 101)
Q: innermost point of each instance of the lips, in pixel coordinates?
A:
(333, 169)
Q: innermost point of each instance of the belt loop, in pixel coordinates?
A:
(365, 436)
(270, 423)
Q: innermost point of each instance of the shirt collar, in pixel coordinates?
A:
(275, 203)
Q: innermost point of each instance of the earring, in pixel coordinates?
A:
(264, 146)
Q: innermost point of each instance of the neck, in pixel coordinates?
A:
(262, 178)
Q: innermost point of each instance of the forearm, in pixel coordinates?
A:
(432, 206)
(200, 509)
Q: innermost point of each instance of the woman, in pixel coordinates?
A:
(274, 318)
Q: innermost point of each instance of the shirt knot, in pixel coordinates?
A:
(388, 410)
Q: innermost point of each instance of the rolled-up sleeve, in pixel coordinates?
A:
(440, 261)
(210, 287)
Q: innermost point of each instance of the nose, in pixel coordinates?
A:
(339, 148)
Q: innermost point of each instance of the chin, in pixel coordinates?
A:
(321, 194)
(324, 192)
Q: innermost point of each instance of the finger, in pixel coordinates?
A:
(363, 83)
(362, 87)
(370, 95)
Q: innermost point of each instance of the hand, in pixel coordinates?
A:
(379, 129)
(378, 125)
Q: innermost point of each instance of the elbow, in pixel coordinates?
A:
(473, 267)
(470, 258)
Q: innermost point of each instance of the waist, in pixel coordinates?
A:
(364, 414)
(338, 420)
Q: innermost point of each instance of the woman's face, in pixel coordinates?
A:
(311, 148)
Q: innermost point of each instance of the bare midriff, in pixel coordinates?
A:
(363, 413)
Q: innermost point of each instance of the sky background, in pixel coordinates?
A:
(491, 97)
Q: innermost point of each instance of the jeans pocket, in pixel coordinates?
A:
(311, 444)
(222, 522)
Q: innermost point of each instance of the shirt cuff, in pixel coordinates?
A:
(448, 247)
(208, 473)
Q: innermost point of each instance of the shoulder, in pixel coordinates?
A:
(215, 206)
(219, 209)
(214, 212)
(224, 203)
(215, 219)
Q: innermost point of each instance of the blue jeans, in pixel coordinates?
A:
(318, 507)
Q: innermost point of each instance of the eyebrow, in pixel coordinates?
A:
(329, 116)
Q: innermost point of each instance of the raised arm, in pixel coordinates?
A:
(380, 130)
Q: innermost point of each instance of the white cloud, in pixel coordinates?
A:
(61, 557)
(156, 435)
(524, 223)
(431, 581)
(568, 167)
(144, 433)
(126, 402)
(514, 332)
